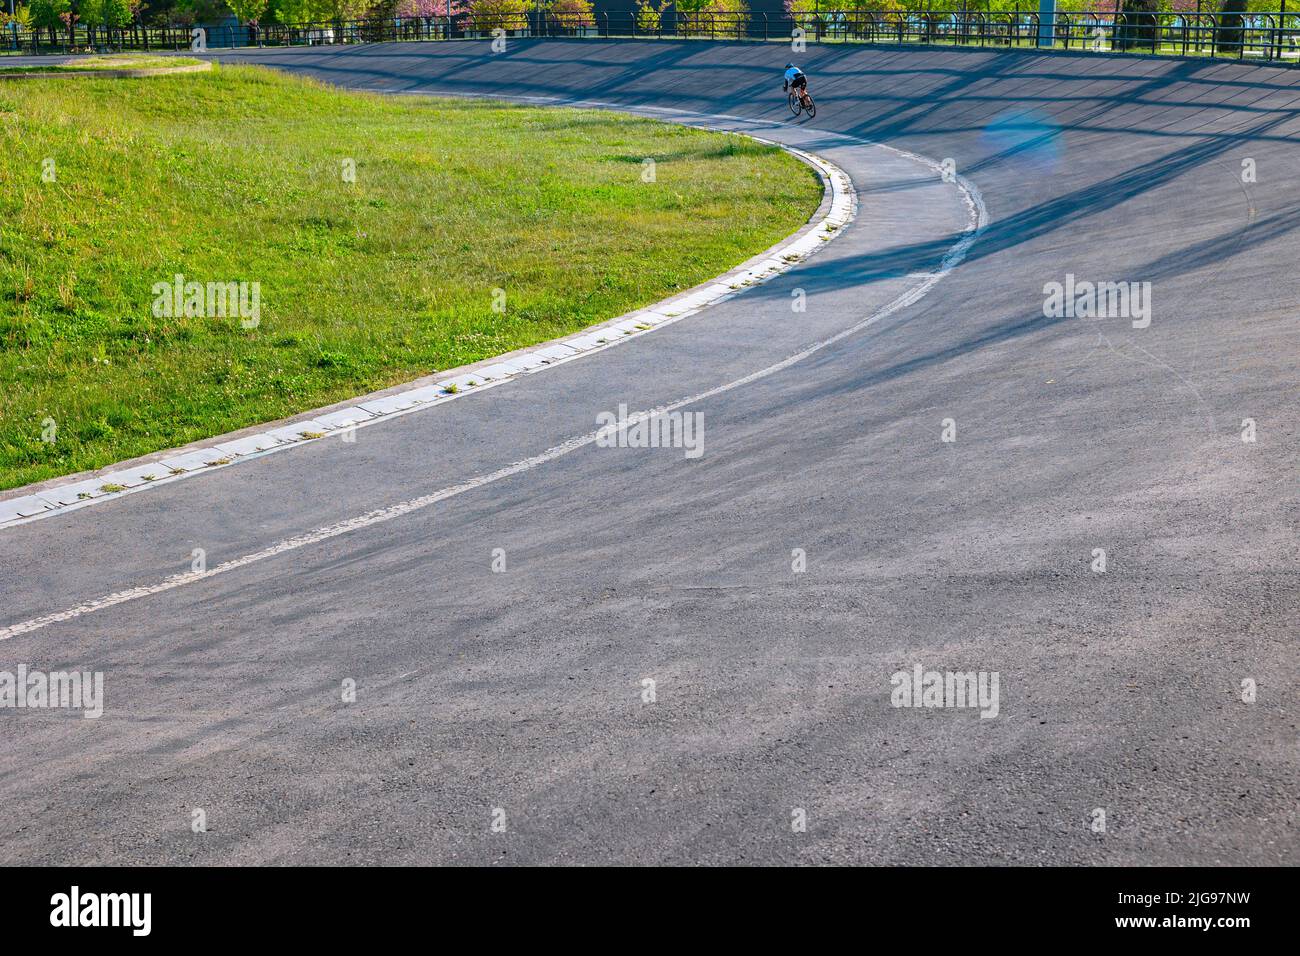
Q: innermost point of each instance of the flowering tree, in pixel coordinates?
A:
(69, 20)
(425, 9)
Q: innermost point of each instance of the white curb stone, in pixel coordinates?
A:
(191, 461)
(501, 370)
(393, 403)
(246, 446)
(139, 475)
(345, 418)
(296, 432)
(429, 395)
(25, 507)
(461, 383)
(71, 494)
(529, 362)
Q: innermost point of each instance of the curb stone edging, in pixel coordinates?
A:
(59, 496)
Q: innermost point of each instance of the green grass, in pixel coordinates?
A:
(235, 175)
(121, 61)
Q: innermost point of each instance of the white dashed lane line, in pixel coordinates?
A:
(957, 252)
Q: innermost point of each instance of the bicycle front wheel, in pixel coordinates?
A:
(795, 105)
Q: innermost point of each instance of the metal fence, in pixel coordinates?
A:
(1271, 37)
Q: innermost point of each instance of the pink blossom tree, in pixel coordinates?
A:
(431, 8)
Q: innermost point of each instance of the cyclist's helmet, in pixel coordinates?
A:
(789, 66)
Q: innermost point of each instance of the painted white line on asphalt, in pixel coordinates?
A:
(978, 220)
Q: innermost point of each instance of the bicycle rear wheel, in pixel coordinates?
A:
(811, 107)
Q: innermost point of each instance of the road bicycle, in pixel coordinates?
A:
(802, 102)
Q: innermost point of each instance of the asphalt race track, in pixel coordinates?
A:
(518, 696)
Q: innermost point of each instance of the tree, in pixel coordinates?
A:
(572, 13)
(69, 21)
(805, 13)
(429, 8)
(291, 12)
(248, 11)
(712, 14)
(49, 14)
(345, 9)
(195, 11)
(21, 19)
(1138, 27)
(649, 17)
(488, 15)
(98, 14)
(1228, 32)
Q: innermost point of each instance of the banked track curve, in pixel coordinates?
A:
(522, 690)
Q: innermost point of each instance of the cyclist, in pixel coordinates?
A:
(795, 80)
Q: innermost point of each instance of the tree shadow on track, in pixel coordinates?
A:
(1136, 125)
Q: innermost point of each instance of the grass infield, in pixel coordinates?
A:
(124, 61)
(457, 210)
